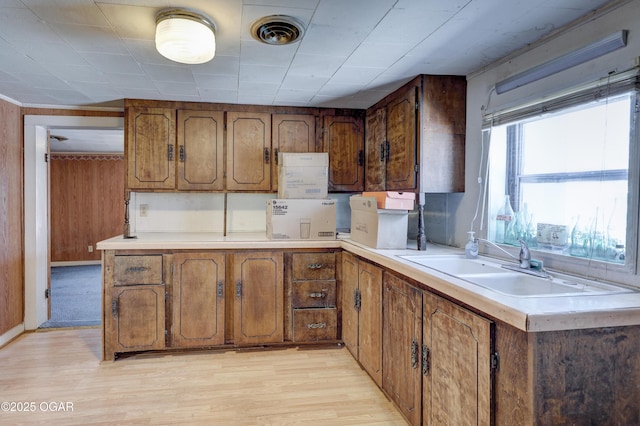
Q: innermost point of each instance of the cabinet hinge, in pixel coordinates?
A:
(495, 361)
(46, 157)
(171, 269)
(416, 168)
(166, 296)
(46, 293)
(417, 105)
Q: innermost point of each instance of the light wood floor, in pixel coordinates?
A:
(267, 387)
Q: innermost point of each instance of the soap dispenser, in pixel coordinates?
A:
(471, 248)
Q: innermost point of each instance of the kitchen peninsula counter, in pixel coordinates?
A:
(531, 314)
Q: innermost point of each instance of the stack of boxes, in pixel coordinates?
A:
(302, 210)
(380, 219)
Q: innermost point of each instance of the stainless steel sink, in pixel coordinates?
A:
(492, 276)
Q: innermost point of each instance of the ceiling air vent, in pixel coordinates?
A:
(277, 30)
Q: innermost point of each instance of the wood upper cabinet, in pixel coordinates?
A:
(343, 139)
(150, 148)
(415, 137)
(442, 133)
(200, 138)
(249, 155)
(402, 343)
(259, 297)
(362, 313)
(198, 300)
(391, 150)
(457, 380)
(291, 133)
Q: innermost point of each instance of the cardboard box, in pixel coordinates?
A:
(301, 219)
(303, 175)
(377, 228)
(393, 200)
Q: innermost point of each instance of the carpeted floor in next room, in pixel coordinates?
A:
(75, 296)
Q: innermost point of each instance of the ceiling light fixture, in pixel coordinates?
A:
(277, 30)
(185, 36)
(591, 51)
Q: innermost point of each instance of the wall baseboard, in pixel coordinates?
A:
(11, 334)
(76, 263)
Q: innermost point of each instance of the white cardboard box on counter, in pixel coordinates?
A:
(377, 228)
(303, 175)
(301, 219)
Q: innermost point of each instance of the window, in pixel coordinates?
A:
(564, 165)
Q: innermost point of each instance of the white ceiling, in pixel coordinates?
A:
(353, 53)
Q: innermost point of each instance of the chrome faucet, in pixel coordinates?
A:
(525, 255)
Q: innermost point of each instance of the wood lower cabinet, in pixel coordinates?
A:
(457, 364)
(362, 313)
(258, 316)
(198, 300)
(134, 303)
(312, 289)
(402, 343)
(437, 357)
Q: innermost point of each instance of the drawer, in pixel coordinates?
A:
(312, 325)
(132, 270)
(314, 266)
(314, 294)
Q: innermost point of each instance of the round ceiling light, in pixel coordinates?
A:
(277, 30)
(185, 36)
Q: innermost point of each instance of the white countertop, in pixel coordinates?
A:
(525, 313)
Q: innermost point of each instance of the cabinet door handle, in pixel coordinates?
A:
(170, 152)
(275, 154)
(357, 299)
(387, 151)
(317, 325)
(114, 308)
(267, 154)
(382, 152)
(181, 153)
(425, 360)
(239, 289)
(414, 353)
(318, 295)
(220, 289)
(361, 158)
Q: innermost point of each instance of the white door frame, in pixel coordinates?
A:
(36, 193)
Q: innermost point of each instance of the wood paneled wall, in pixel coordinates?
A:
(87, 203)
(11, 239)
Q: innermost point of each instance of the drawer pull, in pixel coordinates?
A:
(317, 325)
(314, 266)
(136, 269)
(318, 295)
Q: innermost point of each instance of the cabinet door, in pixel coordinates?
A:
(344, 141)
(349, 287)
(200, 150)
(375, 143)
(150, 148)
(258, 307)
(198, 299)
(457, 385)
(401, 143)
(291, 133)
(135, 319)
(248, 151)
(370, 321)
(402, 332)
